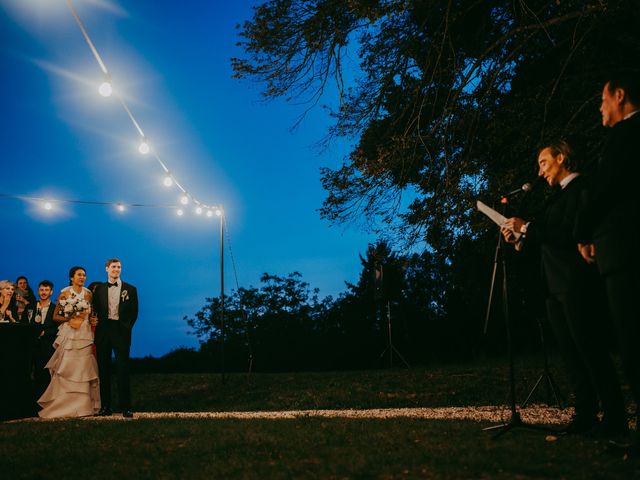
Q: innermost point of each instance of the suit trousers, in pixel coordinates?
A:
(623, 290)
(591, 371)
(115, 338)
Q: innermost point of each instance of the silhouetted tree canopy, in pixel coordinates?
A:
(445, 100)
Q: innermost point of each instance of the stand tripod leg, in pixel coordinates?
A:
(550, 384)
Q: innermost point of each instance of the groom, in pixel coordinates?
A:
(116, 304)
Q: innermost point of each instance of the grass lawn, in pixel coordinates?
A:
(308, 447)
(460, 385)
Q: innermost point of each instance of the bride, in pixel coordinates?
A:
(74, 390)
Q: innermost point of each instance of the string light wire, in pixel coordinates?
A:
(128, 111)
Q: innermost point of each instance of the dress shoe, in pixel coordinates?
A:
(104, 412)
(127, 414)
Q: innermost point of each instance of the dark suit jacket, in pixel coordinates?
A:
(563, 267)
(612, 206)
(49, 326)
(127, 309)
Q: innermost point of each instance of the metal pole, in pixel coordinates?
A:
(222, 327)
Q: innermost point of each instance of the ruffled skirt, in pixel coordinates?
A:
(74, 390)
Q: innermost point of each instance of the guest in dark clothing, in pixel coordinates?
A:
(47, 330)
(609, 232)
(571, 289)
(25, 300)
(8, 307)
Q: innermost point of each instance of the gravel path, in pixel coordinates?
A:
(533, 414)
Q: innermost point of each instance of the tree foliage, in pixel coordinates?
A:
(283, 325)
(446, 100)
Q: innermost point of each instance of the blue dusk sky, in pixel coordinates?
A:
(170, 61)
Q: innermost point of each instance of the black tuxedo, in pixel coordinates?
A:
(46, 333)
(611, 219)
(572, 290)
(115, 335)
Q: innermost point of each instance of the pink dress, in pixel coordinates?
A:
(74, 389)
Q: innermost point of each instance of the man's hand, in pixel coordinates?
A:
(588, 252)
(508, 235)
(514, 223)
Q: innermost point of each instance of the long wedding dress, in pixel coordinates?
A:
(74, 388)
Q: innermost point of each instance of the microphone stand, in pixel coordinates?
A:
(516, 420)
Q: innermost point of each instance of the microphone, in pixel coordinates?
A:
(524, 188)
(527, 187)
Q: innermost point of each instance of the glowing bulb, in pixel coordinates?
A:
(184, 199)
(143, 148)
(180, 212)
(48, 206)
(218, 212)
(199, 210)
(120, 207)
(105, 89)
(168, 181)
(209, 213)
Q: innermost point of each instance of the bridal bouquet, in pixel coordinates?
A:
(72, 306)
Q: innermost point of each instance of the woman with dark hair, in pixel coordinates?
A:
(74, 389)
(25, 299)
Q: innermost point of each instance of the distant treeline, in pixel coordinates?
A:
(437, 310)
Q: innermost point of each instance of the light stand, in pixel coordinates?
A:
(390, 346)
(222, 325)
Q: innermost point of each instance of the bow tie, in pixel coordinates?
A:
(113, 284)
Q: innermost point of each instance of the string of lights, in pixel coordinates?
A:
(106, 89)
(48, 204)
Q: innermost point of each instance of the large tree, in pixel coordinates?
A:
(445, 100)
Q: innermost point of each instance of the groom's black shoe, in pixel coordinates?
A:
(104, 412)
(127, 414)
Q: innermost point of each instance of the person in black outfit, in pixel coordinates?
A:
(609, 232)
(8, 307)
(571, 289)
(25, 300)
(116, 304)
(47, 329)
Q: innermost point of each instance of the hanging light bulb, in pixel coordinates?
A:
(48, 205)
(105, 89)
(143, 148)
(180, 212)
(199, 210)
(209, 213)
(168, 181)
(184, 199)
(218, 212)
(120, 207)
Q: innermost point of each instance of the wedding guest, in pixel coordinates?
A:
(8, 307)
(25, 300)
(116, 303)
(47, 330)
(73, 390)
